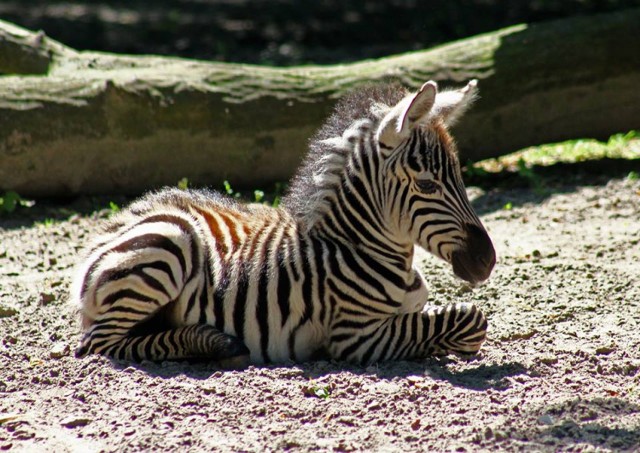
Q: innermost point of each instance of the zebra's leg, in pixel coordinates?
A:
(131, 292)
(133, 325)
(198, 341)
(457, 328)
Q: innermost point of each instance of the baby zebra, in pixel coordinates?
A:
(186, 274)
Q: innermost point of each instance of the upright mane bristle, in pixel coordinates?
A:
(322, 168)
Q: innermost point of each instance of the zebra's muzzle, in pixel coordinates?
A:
(475, 261)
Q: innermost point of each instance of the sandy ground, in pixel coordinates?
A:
(561, 370)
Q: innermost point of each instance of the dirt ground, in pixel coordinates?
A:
(560, 371)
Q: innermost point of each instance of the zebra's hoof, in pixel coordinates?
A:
(81, 351)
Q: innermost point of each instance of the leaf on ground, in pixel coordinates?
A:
(319, 391)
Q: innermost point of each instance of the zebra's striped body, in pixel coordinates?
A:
(191, 274)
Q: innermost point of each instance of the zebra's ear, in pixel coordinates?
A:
(450, 105)
(396, 125)
(419, 106)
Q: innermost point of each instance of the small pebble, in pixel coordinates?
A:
(373, 406)
(74, 421)
(545, 419)
(499, 435)
(59, 350)
(414, 379)
(46, 298)
(7, 311)
(603, 350)
(549, 359)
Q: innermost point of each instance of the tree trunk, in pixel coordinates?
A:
(90, 123)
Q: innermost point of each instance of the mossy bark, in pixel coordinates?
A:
(88, 122)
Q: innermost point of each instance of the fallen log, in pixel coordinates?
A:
(91, 122)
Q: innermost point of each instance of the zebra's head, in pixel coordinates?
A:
(425, 191)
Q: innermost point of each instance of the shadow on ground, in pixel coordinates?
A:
(592, 421)
(480, 377)
(542, 181)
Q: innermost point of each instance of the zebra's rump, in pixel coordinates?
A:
(180, 258)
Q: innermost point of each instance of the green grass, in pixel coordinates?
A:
(10, 200)
(269, 198)
(46, 223)
(619, 146)
(537, 166)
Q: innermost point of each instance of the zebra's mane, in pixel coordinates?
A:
(324, 166)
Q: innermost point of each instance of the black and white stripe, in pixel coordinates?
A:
(191, 274)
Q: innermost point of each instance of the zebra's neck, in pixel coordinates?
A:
(352, 214)
(378, 246)
(339, 195)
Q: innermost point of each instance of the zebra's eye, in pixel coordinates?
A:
(427, 186)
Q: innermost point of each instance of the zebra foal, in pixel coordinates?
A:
(187, 274)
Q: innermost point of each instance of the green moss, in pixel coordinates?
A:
(619, 146)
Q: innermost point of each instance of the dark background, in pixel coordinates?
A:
(282, 32)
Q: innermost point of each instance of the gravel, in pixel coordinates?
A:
(560, 370)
